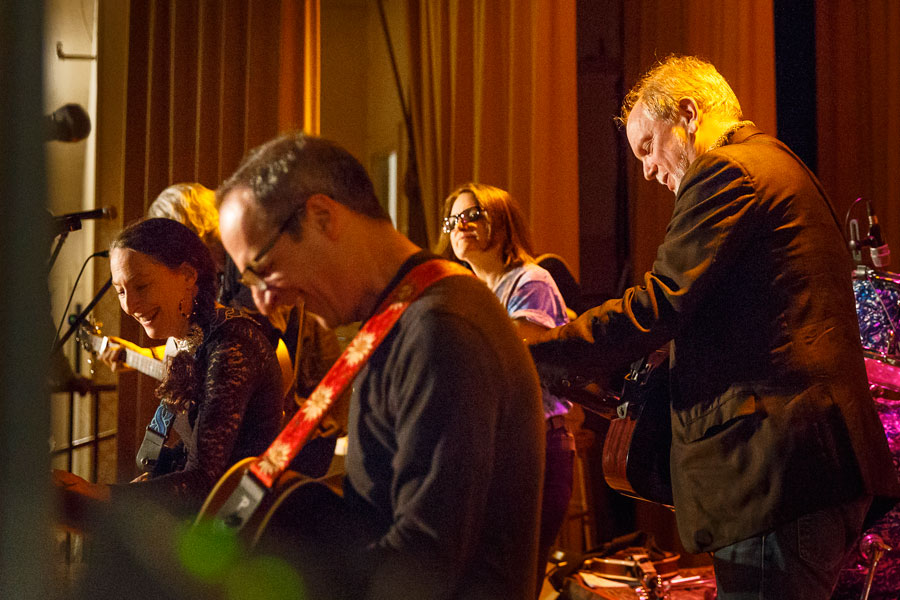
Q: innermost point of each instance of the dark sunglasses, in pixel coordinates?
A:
(470, 215)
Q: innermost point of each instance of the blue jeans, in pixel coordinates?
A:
(799, 560)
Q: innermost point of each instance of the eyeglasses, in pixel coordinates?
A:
(250, 276)
(470, 215)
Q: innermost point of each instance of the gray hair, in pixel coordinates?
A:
(677, 77)
(284, 172)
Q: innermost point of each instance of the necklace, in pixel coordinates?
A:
(722, 139)
(191, 341)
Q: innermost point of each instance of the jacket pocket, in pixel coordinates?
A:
(737, 402)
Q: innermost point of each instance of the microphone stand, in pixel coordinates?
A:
(873, 548)
(59, 242)
(76, 321)
(62, 227)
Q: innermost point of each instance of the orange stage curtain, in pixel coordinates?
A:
(738, 38)
(207, 80)
(210, 79)
(493, 100)
(858, 109)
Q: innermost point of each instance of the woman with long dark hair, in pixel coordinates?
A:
(222, 381)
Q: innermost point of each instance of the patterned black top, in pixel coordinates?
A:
(236, 412)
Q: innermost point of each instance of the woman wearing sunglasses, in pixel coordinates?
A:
(484, 227)
(222, 383)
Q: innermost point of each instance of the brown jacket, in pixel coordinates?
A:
(771, 415)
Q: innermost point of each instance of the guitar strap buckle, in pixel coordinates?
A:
(242, 502)
(155, 438)
(148, 453)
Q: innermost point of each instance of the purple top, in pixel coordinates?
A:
(529, 292)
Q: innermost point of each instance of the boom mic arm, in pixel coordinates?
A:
(72, 221)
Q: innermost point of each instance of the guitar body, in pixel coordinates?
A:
(637, 446)
(256, 525)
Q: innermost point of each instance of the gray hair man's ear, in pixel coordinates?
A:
(690, 112)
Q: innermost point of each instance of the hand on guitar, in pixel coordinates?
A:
(76, 498)
(114, 357)
(590, 394)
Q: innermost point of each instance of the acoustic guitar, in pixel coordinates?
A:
(637, 446)
(252, 530)
(143, 360)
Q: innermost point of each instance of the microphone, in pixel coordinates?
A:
(879, 251)
(105, 212)
(68, 123)
(855, 242)
(72, 221)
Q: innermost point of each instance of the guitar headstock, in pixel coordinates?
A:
(86, 331)
(87, 335)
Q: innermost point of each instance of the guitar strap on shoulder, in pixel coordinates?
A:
(158, 430)
(154, 438)
(260, 478)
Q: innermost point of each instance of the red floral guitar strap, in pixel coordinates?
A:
(274, 461)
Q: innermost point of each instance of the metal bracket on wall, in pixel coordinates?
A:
(62, 55)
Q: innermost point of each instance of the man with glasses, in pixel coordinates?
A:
(444, 465)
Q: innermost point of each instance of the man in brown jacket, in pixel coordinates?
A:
(777, 451)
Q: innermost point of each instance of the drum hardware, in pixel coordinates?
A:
(892, 342)
(873, 548)
(877, 296)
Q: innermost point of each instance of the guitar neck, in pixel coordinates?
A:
(147, 365)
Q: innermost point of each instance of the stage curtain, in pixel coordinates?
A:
(858, 109)
(299, 77)
(738, 38)
(493, 99)
(207, 80)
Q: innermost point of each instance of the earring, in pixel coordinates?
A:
(181, 309)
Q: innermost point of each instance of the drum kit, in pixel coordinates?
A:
(878, 310)
(876, 567)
